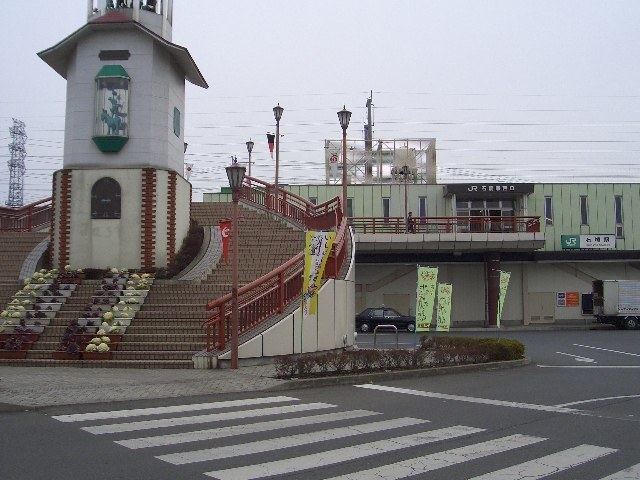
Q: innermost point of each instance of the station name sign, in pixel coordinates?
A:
(483, 190)
(588, 242)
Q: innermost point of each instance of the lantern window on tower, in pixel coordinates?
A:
(111, 130)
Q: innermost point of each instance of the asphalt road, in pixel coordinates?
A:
(574, 413)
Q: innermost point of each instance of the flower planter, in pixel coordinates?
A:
(47, 313)
(66, 356)
(49, 307)
(11, 354)
(96, 355)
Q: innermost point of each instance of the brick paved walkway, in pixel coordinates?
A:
(37, 387)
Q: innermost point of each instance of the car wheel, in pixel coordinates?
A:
(631, 323)
(364, 328)
(411, 327)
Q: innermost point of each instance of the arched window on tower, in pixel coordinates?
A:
(106, 201)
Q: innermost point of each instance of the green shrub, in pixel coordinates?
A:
(448, 350)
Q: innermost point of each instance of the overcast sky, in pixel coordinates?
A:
(531, 90)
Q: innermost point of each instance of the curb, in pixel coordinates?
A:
(395, 375)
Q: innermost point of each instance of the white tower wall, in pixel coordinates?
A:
(156, 89)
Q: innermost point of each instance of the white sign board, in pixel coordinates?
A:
(599, 242)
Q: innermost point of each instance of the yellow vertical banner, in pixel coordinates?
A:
(445, 291)
(425, 297)
(504, 285)
(316, 252)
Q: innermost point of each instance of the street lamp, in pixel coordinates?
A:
(344, 116)
(235, 174)
(277, 113)
(249, 149)
(404, 171)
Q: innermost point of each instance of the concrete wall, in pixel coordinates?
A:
(156, 88)
(377, 282)
(117, 243)
(331, 328)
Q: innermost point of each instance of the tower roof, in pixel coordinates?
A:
(57, 56)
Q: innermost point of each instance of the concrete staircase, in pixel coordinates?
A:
(15, 247)
(167, 331)
(168, 328)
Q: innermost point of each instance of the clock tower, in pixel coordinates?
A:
(121, 199)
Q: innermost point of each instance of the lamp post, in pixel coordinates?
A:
(344, 116)
(235, 174)
(250, 149)
(277, 113)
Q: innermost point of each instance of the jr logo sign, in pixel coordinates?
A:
(570, 242)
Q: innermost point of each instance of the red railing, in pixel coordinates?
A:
(446, 225)
(272, 293)
(26, 219)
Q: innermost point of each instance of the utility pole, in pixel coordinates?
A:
(16, 163)
(368, 142)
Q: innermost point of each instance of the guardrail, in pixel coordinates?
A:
(488, 224)
(270, 294)
(27, 218)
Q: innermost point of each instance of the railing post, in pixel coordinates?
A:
(280, 292)
(222, 323)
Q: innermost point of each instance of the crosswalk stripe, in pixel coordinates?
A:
(279, 443)
(193, 420)
(231, 431)
(330, 457)
(461, 398)
(139, 412)
(447, 458)
(550, 464)
(631, 473)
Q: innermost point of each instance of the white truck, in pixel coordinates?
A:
(617, 302)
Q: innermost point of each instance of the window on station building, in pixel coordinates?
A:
(422, 206)
(488, 215)
(618, 214)
(548, 210)
(584, 210)
(106, 199)
(313, 200)
(350, 207)
(386, 207)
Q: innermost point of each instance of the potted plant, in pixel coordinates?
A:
(14, 348)
(67, 351)
(98, 349)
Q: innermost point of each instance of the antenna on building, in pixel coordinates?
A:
(16, 163)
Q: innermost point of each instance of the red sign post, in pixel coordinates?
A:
(225, 232)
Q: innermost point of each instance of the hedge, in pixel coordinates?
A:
(433, 352)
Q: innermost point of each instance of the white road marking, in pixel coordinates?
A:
(279, 443)
(631, 473)
(231, 431)
(578, 358)
(213, 417)
(331, 457)
(611, 367)
(436, 461)
(607, 350)
(594, 400)
(550, 464)
(460, 398)
(139, 412)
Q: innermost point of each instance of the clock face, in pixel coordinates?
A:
(112, 107)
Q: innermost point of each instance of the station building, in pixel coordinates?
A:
(554, 238)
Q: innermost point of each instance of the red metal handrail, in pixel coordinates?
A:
(487, 224)
(27, 218)
(272, 293)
